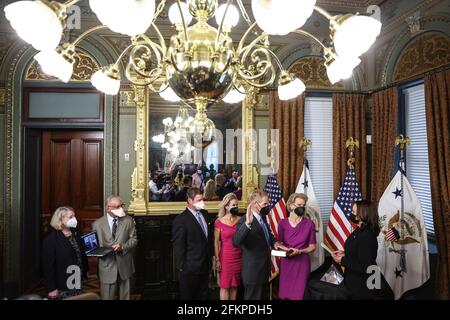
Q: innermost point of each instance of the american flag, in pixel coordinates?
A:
(277, 212)
(392, 235)
(339, 226)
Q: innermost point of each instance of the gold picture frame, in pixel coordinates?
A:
(140, 204)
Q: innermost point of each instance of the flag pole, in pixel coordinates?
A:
(350, 145)
(304, 144)
(402, 141)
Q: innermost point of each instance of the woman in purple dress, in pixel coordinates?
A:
(298, 233)
(227, 257)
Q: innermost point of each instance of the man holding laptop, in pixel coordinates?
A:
(117, 231)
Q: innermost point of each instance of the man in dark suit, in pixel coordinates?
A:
(256, 240)
(192, 247)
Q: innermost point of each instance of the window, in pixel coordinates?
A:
(212, 155)
(319, 129)
(417, 166)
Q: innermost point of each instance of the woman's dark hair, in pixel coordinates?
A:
(368, 214)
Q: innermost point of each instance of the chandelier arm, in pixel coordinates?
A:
(159, 9)
(183, 22)
(221, 22)
(244, 37)
(245, 51)
(153, 46)
(87, 32)
(151, 76)
(323, 12)
(255, 76)
(70, 3)
(261, 66)
(154, 73)
(309, 35)
(116, 64)
(133, 79)
(244, 13)
(277, 60)
(252, 83)
(162, 48)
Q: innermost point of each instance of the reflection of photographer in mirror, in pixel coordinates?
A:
(168, 190)
(197, 178)
(155, 192)
(179, 179)
(212, 171)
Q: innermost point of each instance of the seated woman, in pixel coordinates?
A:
(63, 249)
(360, 252)
(299, 234)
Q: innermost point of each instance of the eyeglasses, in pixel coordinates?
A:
(116, 207)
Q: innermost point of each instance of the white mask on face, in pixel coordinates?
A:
(72, 223)
(118, 212)
(200, 205)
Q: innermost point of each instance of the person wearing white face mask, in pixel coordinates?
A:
(62, 253)
(193, 247)
(118, 231)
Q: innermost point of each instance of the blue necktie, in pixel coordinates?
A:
(200, 220)
(263, 226)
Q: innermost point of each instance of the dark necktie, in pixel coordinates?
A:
(266, 232)
(114, 228)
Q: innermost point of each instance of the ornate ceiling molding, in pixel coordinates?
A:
(84, 67)
(312, 71)
(425, 52)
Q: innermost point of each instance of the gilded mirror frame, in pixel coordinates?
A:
(140, 204)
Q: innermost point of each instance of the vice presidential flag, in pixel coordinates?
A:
(313, 212)
(277, 212)
(339, 226)
(402, 243)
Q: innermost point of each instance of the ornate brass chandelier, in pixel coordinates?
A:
(200, 65)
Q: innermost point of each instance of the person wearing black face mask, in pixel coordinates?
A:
(256, 240)
(298, 233)
(227, 257)
(360, 252)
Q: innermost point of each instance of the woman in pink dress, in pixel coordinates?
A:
(227, 257)
(298, 233)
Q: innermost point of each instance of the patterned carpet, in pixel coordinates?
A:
(92, 284)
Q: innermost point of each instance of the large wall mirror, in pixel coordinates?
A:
(177, 161)
(171, 158)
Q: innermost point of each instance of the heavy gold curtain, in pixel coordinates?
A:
(349, 120)
(385, 110)
(437, 106)
(287, 117)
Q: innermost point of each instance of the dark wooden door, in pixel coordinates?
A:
(72, 175)
(30, 226)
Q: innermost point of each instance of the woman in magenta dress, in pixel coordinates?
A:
(298, 233)
(227, 257)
